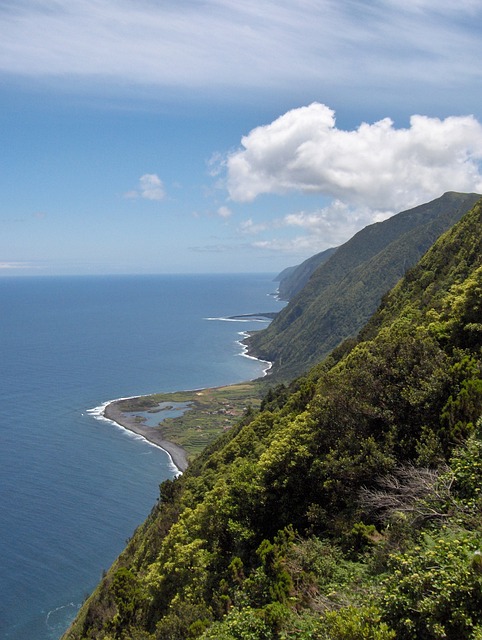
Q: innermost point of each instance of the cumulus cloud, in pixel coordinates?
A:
(376, 165)
(330, 225)
(150, 188)
(366, 174)
(318, 230)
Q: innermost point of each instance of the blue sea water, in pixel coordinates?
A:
(73, 488)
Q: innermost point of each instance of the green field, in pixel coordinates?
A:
(211, 412)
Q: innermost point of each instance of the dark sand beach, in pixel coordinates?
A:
(178, 455)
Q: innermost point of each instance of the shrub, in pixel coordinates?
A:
(435, 590)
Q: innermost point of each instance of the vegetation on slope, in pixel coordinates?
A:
(349, 506)
(344, 292)
(293, 279)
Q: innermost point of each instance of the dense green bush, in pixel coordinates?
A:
(434, 591)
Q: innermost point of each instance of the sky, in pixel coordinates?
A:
(199, 136)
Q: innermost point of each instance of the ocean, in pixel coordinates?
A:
(73, 488)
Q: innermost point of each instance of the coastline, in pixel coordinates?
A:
(111, 412)
(177, 454)
(245, 353)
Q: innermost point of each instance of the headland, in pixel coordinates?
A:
(208, 413)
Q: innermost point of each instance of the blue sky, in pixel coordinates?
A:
(221, 136)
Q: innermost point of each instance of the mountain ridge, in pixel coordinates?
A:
(344, 291)
(293, 279)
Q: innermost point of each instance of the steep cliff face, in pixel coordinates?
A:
(345, 290)
(348, 507)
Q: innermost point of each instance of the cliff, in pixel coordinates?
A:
(349, 506)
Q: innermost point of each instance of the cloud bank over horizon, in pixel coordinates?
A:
(369, 173)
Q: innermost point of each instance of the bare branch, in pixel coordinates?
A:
(418, 492)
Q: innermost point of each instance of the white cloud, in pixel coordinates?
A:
(376, 166)
(250, 228)
(256, 43)
(150, 188)
(323, 228)
(224, 212)
(369, 173)
(7, 266)
(299, 246)
(331, 225)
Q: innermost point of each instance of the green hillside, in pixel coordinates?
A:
(293, 279)
(348, 507)
(344, 291)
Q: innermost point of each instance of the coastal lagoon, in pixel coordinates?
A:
(74, 488)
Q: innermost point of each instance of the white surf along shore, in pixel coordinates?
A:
(110, 412)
